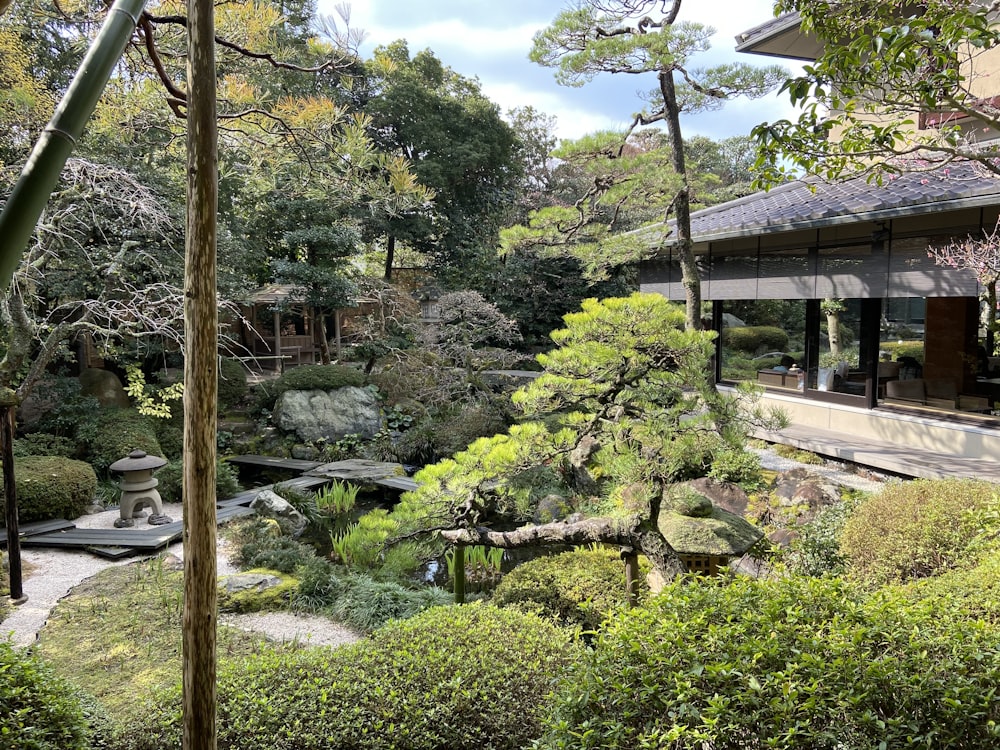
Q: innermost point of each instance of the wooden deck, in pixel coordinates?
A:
(120, 543)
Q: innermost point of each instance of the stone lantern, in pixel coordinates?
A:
(704, 536)
(139, 488)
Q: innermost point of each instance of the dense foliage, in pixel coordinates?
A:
(459, 677)
(580, 587)
(114, 433)
(785, 665)
(38, 710)
(52, 487)
(915, 529)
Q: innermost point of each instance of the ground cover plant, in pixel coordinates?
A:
(118, 637)
(458, 677)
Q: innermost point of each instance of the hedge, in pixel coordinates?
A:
(52, 487)
(914, 529)
(579, 587)
(789, 664)
(471, 677)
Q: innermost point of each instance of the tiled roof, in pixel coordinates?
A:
(771, 26)
(812, 203)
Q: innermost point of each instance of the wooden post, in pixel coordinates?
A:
(459, 572)
(8, 409)
(631, 559)
(201, 323)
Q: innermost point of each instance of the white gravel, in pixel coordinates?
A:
(55, 572)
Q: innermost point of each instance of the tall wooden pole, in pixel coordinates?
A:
(8, 408)
(200, 384)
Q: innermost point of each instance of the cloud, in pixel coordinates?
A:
(490, 41)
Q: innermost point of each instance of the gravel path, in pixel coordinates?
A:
(56, 572)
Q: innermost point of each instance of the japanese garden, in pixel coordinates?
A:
(509, 425)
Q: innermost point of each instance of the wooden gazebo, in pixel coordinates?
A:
(281, 331)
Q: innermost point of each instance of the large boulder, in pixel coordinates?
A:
(105, 386)
(328, 415)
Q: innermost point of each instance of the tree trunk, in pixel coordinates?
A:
(324, 345)
(390, 252)
(682, 205)
(458, 573)
(992, 324)
(201, 385)
(636, 533)
(8, 409)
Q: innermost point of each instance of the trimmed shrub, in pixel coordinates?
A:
(232, 383)
(52, 487)
(171, 480)
(115, 433)
(914, 529)
(580, 587)
(38, 710)
(170, 438)
(753, 339)
(789, 664)
(453, 677)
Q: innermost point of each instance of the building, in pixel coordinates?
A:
(784, 268)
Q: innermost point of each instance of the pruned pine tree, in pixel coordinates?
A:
(645, 37)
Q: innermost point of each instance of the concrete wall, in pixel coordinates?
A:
(881, 438)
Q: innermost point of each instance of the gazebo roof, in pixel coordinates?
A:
(275, 294)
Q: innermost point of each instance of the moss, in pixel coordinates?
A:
(257, 599)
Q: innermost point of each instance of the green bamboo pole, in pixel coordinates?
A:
(41, 173)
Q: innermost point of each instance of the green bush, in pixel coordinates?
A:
(171, 480)
(580, 587)
(232, 383)
(52, 487)
(38, 710)
(914, 529)
(114, 433)
(357, 600)
(45, 444)
(259, 543)
(754, 339)
(790, 664)
(817, 550)
(462, 678)
(898, 349)
(309, 378)
(170, 438)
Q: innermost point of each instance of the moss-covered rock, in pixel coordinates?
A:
(257, 590)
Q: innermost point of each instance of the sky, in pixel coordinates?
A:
(490, 40)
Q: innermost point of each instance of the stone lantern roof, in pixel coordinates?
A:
(692, 525)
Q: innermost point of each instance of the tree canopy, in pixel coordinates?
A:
(636, 38)
(897, 86)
